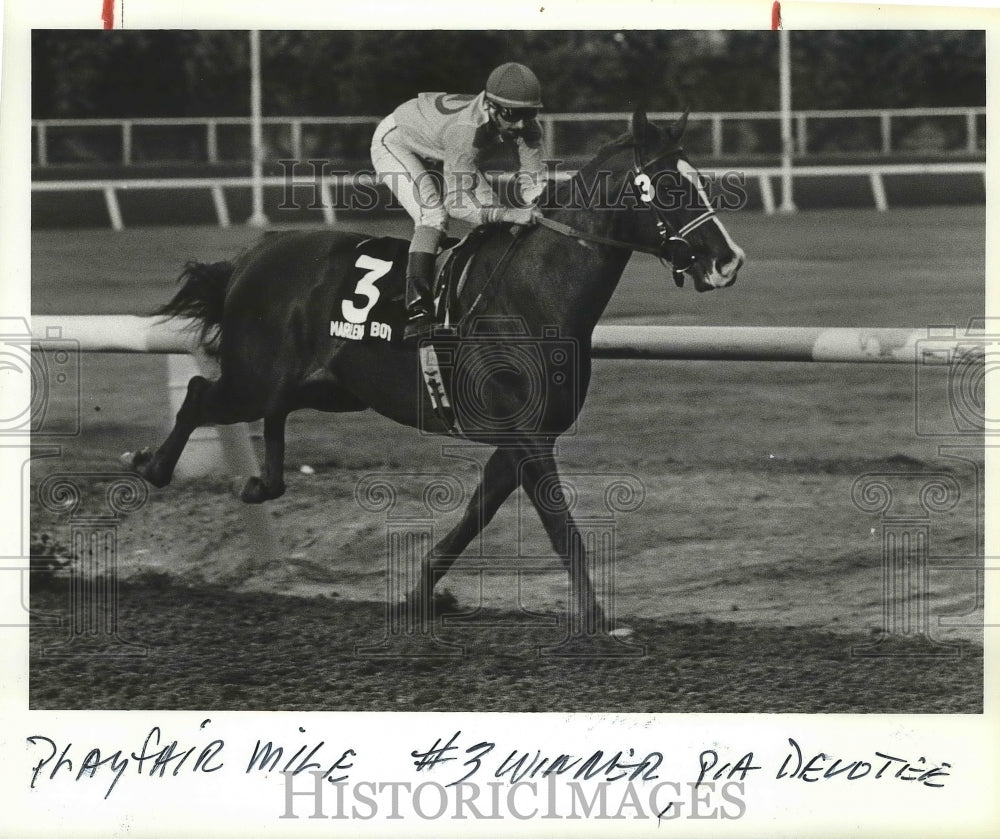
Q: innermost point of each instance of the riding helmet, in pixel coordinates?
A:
(513, 85)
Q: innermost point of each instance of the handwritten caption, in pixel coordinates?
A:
(459, 760)
(797, 765)
(156, 758)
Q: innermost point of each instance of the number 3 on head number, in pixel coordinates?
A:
(376, 269)
(645, 187)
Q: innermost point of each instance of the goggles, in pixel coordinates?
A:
(515, 114)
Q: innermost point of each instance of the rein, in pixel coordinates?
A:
(501, 263)
(572, 232)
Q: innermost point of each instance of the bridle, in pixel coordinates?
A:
(673, 246)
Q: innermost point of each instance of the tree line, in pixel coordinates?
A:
(174, 73)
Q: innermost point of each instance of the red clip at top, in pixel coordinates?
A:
(108, 14)
(776, 15)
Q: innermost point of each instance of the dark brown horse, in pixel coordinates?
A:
(540, 291)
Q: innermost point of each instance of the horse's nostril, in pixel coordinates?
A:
(731, 266)
(727, 267)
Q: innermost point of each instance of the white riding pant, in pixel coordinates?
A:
(408, 178)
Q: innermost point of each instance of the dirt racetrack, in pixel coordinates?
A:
(212, 648)
(747, 575)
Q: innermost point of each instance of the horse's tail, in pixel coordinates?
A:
(202, 298)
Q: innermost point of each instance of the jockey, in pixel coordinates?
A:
(455, 130)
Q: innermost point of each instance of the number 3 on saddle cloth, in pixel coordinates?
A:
(369, 305)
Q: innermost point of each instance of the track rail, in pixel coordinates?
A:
(850, 345)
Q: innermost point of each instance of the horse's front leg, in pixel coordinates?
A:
(498, 482)
(539, 476)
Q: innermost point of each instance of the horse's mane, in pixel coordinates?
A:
(609, 149)
(620, 142)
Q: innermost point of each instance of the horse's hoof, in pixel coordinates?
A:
(255, 491)
(444, 602)
(441, 602)
(135, 460)
(141, 462)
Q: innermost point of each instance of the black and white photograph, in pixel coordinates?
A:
(551, 423)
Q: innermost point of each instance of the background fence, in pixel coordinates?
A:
(295, 197)
(345, 139)
(211, 157)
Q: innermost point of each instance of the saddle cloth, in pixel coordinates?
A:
(370, 305)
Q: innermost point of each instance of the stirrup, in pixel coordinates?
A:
(420, 325)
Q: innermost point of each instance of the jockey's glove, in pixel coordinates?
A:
(520, 215)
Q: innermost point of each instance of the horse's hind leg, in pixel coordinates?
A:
(271, 483)
(206, 403)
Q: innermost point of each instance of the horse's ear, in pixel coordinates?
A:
(639, 127)
(676, 130)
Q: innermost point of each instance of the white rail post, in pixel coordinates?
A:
(549, 133)
(203, 452)
(43, 144)
(878, 191)
(221, 210)
(221, 450)
(326, 193)
(971, 132)
(114, 211)
(717, 135)
(766, 194)
(212, 140)
(787, 201)
(126, 142)
(257, 217)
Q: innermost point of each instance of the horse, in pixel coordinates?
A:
(267, 317)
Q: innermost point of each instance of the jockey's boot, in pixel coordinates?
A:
(419, 297)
